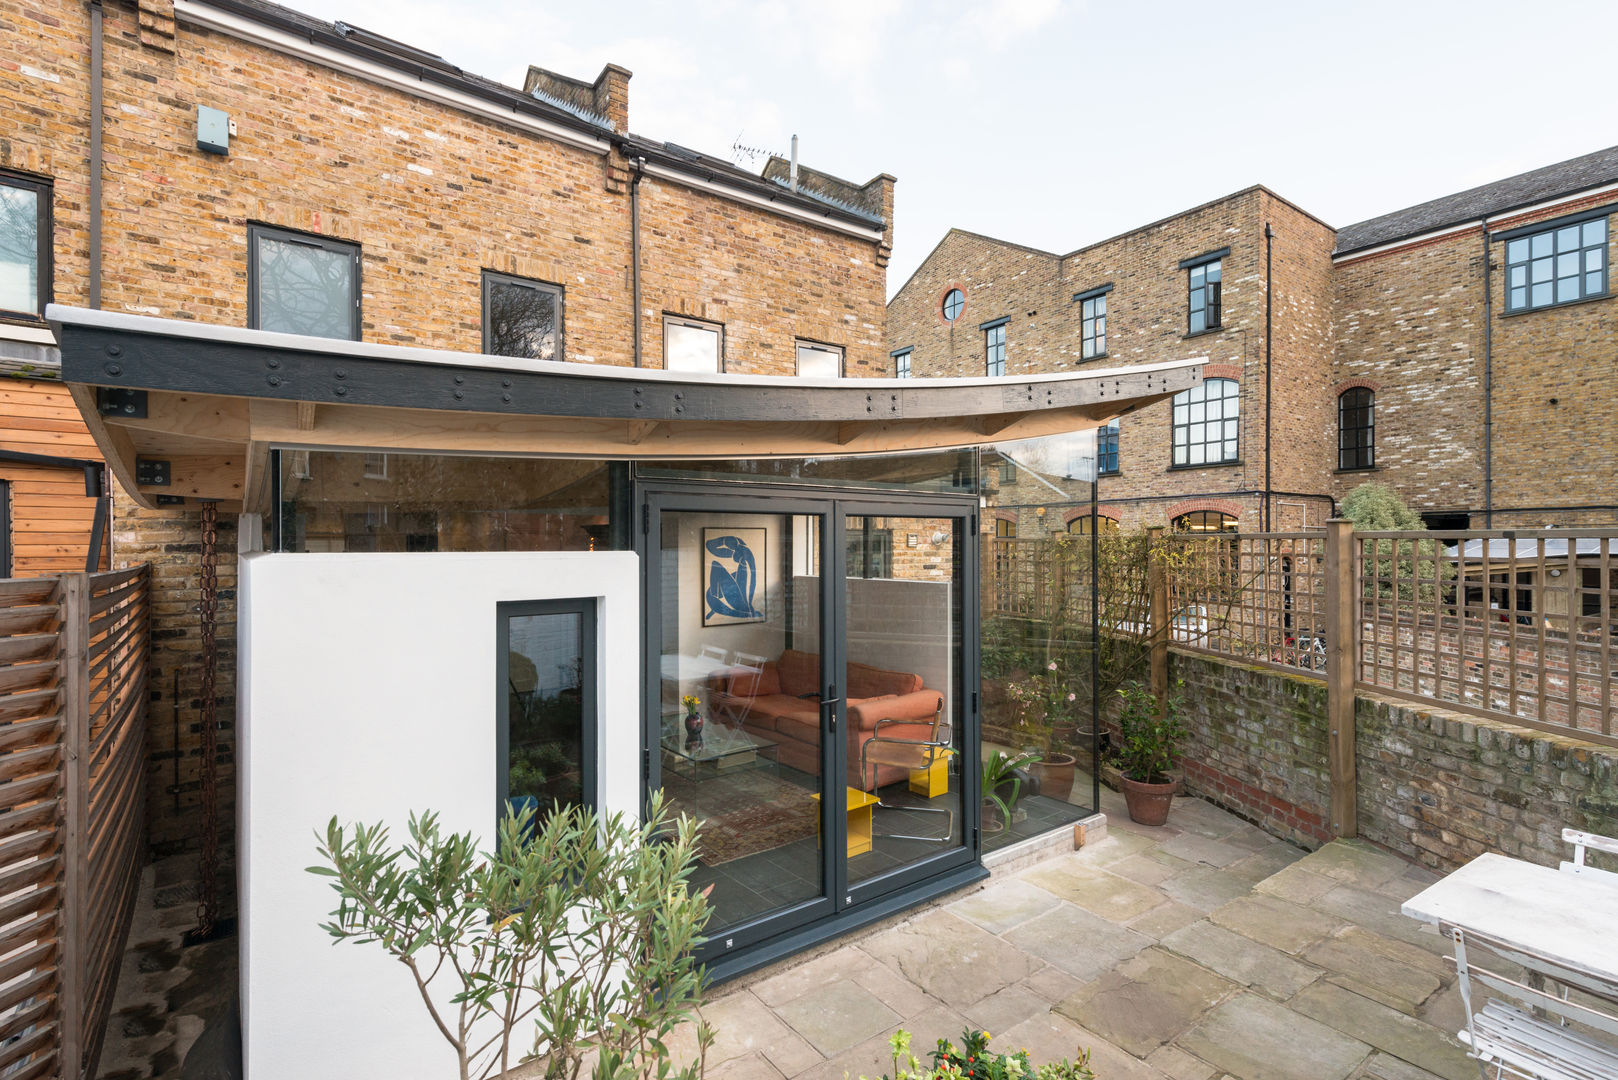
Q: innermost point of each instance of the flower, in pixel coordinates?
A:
(1051, 666)
(1072, 696)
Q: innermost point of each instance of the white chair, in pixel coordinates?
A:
(714, 652)
(1534, 1041)
(750, 661)
(1581, 841)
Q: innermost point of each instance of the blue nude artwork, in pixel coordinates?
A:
(734, 591)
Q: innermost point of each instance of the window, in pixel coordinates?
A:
(300, 284)
(1008, 471)
(25, 246)
(1005, 529)
(1356, 429)
(1107, 449)
(1556, 266)
(901, 364)
(1205, 294)
(1205, 521)
(819, 361)
(954, 304)
(521, 318)
(1081, 524)
(1205, 422)
(690, 345)
(545, 674)
(994, 347)
(1093, 323)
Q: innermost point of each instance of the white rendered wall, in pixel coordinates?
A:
(367, 690)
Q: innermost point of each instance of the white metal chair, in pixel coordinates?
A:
(1536, 1041)
(1581, 841)
(715, 652)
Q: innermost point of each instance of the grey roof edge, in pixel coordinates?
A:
(1518, 192)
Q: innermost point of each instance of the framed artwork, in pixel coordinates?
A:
(733, 576)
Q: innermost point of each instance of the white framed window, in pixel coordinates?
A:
(817, 361)
(1206, 422)
(693, 345)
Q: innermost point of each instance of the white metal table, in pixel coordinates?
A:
(1568, 919)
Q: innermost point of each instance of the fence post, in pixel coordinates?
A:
(1157, 622)
(74, 675)
(1340, 650)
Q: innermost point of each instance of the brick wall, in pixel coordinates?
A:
(1436, 786)
(433, 196)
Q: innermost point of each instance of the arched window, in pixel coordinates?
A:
(1081, 524)
(1356, 428)
(1205, 422)
(1205, 521)
(1005, 529)
(954, 302)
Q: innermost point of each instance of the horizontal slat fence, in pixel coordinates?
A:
(73, 655)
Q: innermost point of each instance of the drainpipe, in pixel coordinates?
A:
(634, 248)
(95, 153)
(1488, 382)
(1269, 356)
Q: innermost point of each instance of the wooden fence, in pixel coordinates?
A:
(73, 660)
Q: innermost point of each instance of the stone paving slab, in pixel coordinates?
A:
(1242, 960)
(1004, 904)
(1114, 898)
(1257, 1039)
(1380, 968)
(1146, 1001)
(953, 960)
(1395, 1033)
(1077, 941)
(1275, 922)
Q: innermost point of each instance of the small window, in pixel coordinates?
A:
(1005, 529)
(954, 304)
(1205, 521)
(1205, 293)
(302, 284)
(1206, 419)
(1094, 327)
(1081, 524)
(1356, 429)
(817, 361)
(1557, 266)
(994, 343)
(691, 345)
(901, 365)
(1107, 449)
(1008, 471)
(521, 318)
(545, 670)
(25, 246)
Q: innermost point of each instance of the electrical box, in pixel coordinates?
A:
(213, 130)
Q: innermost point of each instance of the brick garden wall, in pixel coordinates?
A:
(1435, 786)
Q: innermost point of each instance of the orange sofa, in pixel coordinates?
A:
(781, 703)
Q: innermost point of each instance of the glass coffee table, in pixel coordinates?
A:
(722, 750)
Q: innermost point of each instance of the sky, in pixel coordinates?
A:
(1057, 123)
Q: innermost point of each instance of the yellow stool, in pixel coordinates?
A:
(934, 779)
(859, 820)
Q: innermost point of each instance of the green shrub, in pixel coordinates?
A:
(973, 1060)
(578, 929)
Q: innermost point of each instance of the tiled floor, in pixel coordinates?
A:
(1205, 949)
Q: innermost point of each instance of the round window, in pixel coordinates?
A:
(954, 301)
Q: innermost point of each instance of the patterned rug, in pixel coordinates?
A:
(743, 813)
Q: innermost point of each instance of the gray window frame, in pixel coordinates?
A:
(698, 324)
(1212, 300)
(586, 607)
(994, 348)
(1093, 327)
(1176, 427)
(558, 292)
(1361, 455)
(1107, 436)
(1527, 235)
(901, 364)
(807, 343)
(256, 232)
(43, 242)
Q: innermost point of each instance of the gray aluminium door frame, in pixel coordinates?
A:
(833, 506)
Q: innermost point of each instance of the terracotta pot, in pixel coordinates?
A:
(993, 820)
(1148, 803)
(1055, 775)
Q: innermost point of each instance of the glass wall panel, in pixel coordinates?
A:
(741, 685)
(903, 693)
(350, 501)
(1037, 647)
(953, 471)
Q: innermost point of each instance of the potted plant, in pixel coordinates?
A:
(1044, 707)
(1149, 747)
(1002, 786)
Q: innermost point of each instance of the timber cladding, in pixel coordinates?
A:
(50, 515)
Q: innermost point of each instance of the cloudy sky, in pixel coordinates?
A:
(1055, 123)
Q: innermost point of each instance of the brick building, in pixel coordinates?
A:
(432, 192)
(1388, 350)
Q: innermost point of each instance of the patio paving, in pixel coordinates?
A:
(1203, 950)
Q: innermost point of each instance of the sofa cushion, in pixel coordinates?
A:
(865, 681)
(758, 683)
(798, 672)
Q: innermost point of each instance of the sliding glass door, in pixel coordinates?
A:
(807, 698)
